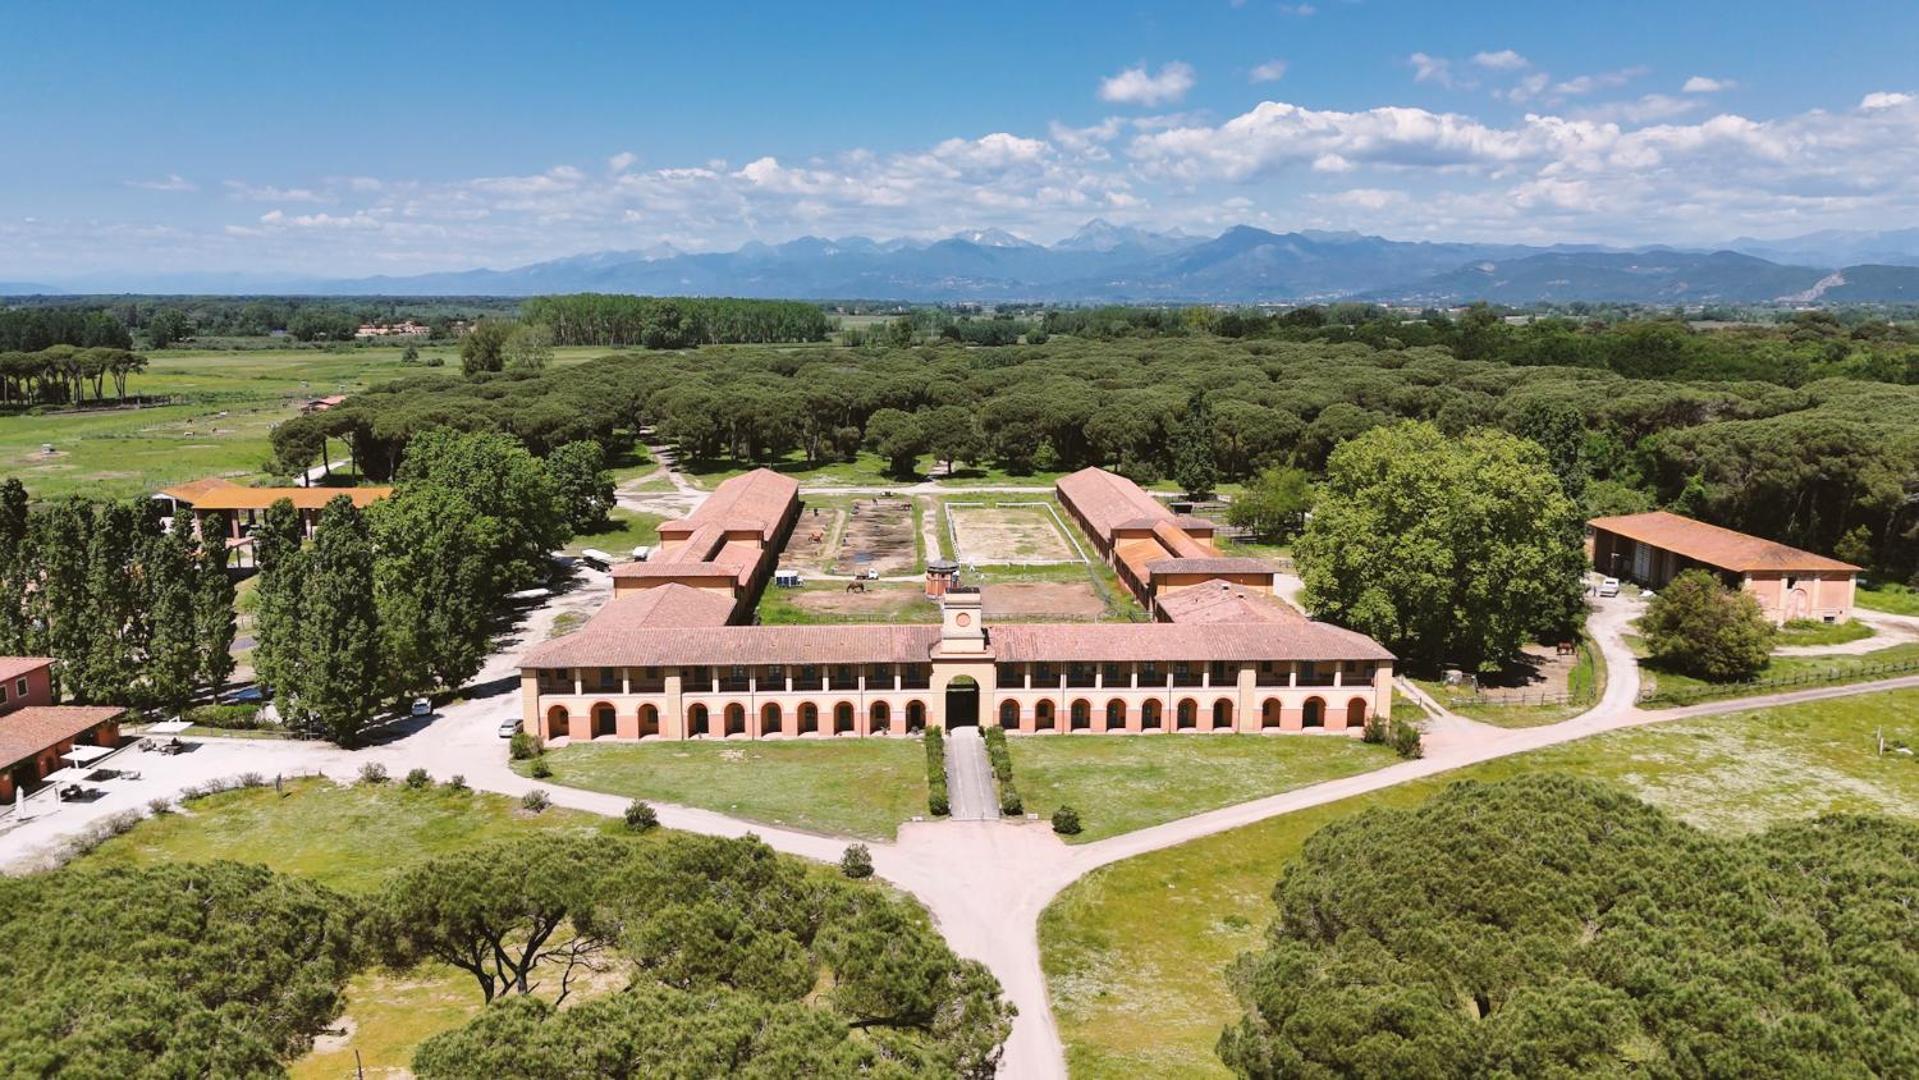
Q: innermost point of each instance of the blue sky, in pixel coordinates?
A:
(354, 138)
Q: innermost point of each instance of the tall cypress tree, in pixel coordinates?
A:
(213, 596)
(114, 638)
(1194, 465)
(278, 596)
(337, 690)
(57, 611)
(172, 655)
(16, 567)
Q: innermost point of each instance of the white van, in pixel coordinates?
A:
(788, 579)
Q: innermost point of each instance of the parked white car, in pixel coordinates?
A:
(1609, 587)
(421, 707)
(509, 727)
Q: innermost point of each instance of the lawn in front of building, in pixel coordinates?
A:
(624, 530)
(1120, 783)
(1782, 673)
(1135, 953)
(857, 787)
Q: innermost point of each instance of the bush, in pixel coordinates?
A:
(857, 862)
(1009, 800)
(936, 796)
(157, 807)
(641, 817)
(457, 782)
(1406, 741)
(1375, 730)
(1066, 821)
(540, 770)
(1699, 627)
(535, 801)
(227, 717)
(371, 773)
(997, 753)
(418, 779)
(524, 746)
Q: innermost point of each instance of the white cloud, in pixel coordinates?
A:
(1270, 71)
(1431, 69)
(240, 189)
(1705, 84)
(1605, 80)
(1301, 10)
(1135, 86)
(1527, 88)
(1884, 100)
(1645, 109)
(170, 182)
(1365, 198)
(622, 161)
(1503, 60)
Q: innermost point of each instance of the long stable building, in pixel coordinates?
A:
(727, 547)
(1789, 583)
(666, 658)
(1153, 550)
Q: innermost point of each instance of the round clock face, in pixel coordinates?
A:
(963, 619)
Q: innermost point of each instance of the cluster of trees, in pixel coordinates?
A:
(32, 329)
(1547, 926)
(1447, 550)
(140, 616)
(62, 374)
(307, 318)
(674, 322)
(396, 600)
(733, 953)
(494, 345)
(1698, 626)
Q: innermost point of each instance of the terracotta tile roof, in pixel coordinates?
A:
(1220, 601)
(1217, 564)
(1715, 546)
(36, 727)
(12, 667)
(1186, 522)
(1108, 501)
(675, 570)
(226, 495)
(669, 605)
(1293, 639)
(758, 500)
(719, 646)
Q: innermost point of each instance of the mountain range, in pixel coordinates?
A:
(1108, 263)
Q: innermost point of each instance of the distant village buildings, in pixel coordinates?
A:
(409, 328)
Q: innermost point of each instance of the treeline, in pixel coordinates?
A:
(722, 951)
(138, 615)
(35, 329)
(674, 322)
(61, 375)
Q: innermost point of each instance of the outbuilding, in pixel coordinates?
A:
(1789, 583)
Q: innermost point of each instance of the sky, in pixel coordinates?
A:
(347, 138)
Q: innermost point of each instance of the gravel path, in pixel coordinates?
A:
(969, 777)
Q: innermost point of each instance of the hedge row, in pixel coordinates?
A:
(997, 754)
(936, 800)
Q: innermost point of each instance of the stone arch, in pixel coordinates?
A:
(1223, 714)
(649, 721)
(604, 720)
(1116, 714)
(1356, 712)
(880, 718)
(1043, 719)
(735, 719)
(556, 722)
(915, 715)
(770, 717)
(1151, 715)
(697, 722)
(1009, 714)
(1270, 713)
(843, 713)
(1080, 716)
(1187, 717)
(1314, 713)
(809, 719)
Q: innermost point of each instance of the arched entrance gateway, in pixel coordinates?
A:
(962, 702)
(603, 721)
(556, 726)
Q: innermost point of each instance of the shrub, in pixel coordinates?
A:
(996, 752)
(254, 779)
(227, 717)
(418, 779)
(641, 817)
(541, 770)
(1066, 821)
(1375, 730)
(158, 807)
(1406, 741)
(524, 746)
(456, 782)
(857, 862)
(1699, 627)
(936, 796)
(535, 801)
(90, 838)
(372, 773)
(1009, 801)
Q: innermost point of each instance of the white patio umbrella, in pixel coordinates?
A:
(169, 727)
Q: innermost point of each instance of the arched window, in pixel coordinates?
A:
(770, 718)
(882, 717)
(1043, 715)
(1315, 713)
(604, 722)
(809, 718)
(1149, 715)
(843, 718)
(915, 715)
(736, 719)
(696, 723)
(556, 722)
(1009, 714)
(649, 721)
(1270, 712)
(1115, 715)
(1188, 714)
(1081, 718)
(1356, 713)
(1222, 714)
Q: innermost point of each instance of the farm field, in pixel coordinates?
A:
(1145, 996)
(228, 402)
(859, 787)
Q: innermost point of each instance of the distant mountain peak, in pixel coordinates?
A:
(995, 238)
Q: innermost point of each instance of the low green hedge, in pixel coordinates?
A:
(227, 717)
(997, 754)
(936, 797)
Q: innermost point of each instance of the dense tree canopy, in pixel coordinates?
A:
(1446, 550)
(1699, 626)
(1547, 926)
(674, 322)
(170, 971)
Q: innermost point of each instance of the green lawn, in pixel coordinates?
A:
(1134, 953)
(1889, 596)
(1119, 784)
(626, 530)
(859, 787)
(883, 601)
(1783, 673)
(226, 404)
(1813, 632)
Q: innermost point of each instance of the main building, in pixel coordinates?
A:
(670, 655)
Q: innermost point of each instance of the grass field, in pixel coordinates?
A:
(1813, 632)
(1122, 783)
(1890, 597)
(1134, 953)
(349, 838)
(860, 787)
(626, 530)
(1673, 687)
(227, 403)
